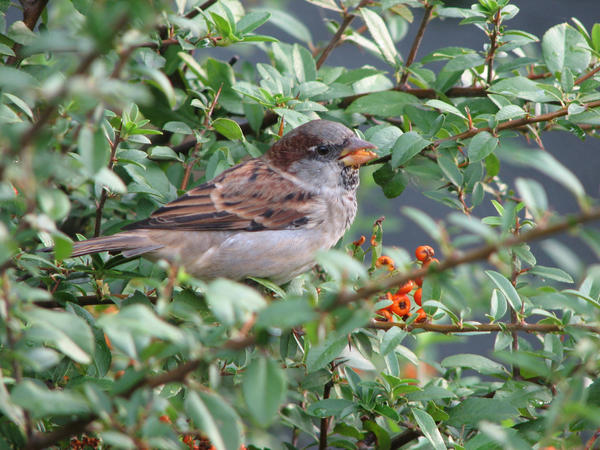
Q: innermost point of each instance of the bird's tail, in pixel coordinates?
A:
(129, 244)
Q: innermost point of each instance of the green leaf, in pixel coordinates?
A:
(327, 4)
(473, 410)
(54, 202)
(139, 320)
(424, 221)
(596, 37)
(563, 46)
(63, 331)
(506, 287)
(392, 339)
(43, 402)
(231, 302)
(478, 363)
(533, 195)
(63, 246)
(215, 418)
(382, 104)
(547, 164)
(481, 145)
(338, 407)
(323, 353)
(445, 107)
(381, 36)
(450, 169)
(286, 314)
(94, 149)
(510, 112)
(406, 147)
(289, 24)
(304, 64)
(264, 388)
(178, 127)
(163, 153)
(340, 265)
(551, 273)
(228, 128)
(251, 21)
(429, 428)
(581, 295)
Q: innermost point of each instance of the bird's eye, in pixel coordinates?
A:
(322, 149)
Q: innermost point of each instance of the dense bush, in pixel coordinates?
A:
(110, 109)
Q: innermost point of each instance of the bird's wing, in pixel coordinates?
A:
(251, 197)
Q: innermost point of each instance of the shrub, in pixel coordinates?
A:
(111, 109)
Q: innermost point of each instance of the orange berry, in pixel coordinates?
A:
(418, 295)
(385, 261)
(401, 305)
(427, 262)
(360, 241)
(421, 315)
(406, 287)
(164, 418)
(373, 240)
(424, 252)
(119, 374)
(419, 281)
(385, 313)
(108, 343)
(188, 439)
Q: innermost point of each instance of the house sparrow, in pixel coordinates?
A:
(265, 217)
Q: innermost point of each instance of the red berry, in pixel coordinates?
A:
(424, 252)
(406, 287)
(418, 295)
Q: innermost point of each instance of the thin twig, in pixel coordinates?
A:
(348, 18)
(476, 254)
(498, 327)
(104, 194)
(29, 135)
(194, 158)
(590, 74)
(32, 10)
(416, 43)
(493, 47)
(324, 425)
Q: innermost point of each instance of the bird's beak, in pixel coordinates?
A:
(355, 153)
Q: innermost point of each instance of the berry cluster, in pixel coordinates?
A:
(86, 442)
(401, 303)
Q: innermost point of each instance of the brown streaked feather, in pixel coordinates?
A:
(241, 198)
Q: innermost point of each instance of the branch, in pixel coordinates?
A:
(470, 256)
(32, 10)
(104, 193)
(417, 42)
(324, 424)
(348, 18)
(482, 327)
(29, 135)
(493, 47)
(590, 74)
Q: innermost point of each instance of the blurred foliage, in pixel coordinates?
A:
(110, 109)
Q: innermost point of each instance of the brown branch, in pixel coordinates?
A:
(348, 18)
(483, 327)
(104, 194)
(41, 441)
(470, 256)
(416, 43)
(404, 438)
(517, 123)
(32, 10)
(324, 424)
(493, 47)
(29, 135)
(585, 76)
(194, 12)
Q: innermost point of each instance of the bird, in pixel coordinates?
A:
(266, 217)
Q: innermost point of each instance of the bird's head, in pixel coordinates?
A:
(320, 143)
